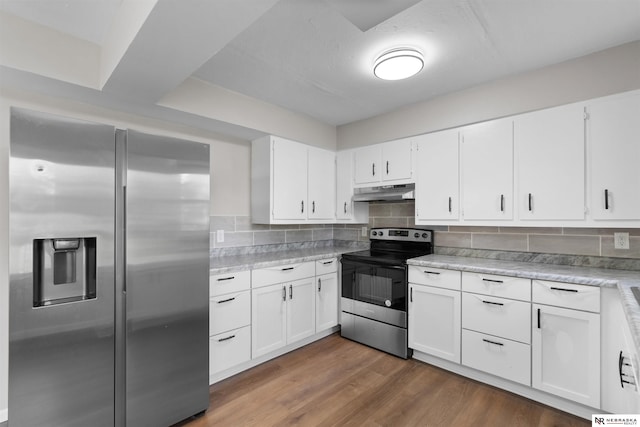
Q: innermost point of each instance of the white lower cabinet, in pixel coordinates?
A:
(498, 356)
(566, 353)
(434, 312)
(326, 294)
(281, 314)
(229, 320)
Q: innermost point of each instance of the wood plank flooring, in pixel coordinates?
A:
(336, 382)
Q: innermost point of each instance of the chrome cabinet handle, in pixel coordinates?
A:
(290, 291)
(387, 167)
(530, 202)
(606, 199)
(226, 338)
(319, 284)
(226, 300)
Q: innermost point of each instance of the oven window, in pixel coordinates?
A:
(375, 285)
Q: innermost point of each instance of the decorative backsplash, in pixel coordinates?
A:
(591, 242)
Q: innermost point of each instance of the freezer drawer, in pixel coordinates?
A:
(229, 312)
(497, 316)
(498, 356)
(229, 349)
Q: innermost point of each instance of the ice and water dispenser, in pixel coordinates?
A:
(64, 270)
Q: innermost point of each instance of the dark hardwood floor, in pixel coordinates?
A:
(335, 381)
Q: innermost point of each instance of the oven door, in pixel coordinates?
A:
(374, 283)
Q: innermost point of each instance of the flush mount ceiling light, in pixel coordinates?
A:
(398, 64)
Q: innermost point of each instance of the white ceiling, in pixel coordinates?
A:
(315, 56)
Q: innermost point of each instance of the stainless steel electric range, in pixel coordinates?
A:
(374, 288)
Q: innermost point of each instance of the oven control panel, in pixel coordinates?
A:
(401, 234)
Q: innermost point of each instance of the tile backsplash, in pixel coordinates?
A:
(239, 231)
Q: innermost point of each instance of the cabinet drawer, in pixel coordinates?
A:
(326, 266)
(225, 283)
(438, 277)
(229, 312)
(497, 316)
(577, 297)
(229, 349)
(498, 356)
(499, 286)
(282, 273)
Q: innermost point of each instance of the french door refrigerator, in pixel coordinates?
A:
(109, 266)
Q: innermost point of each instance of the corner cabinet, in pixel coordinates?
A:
(613, 129)
(387, 163)
(291, 183)
(487, 170)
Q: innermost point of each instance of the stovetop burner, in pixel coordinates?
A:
(393, 246)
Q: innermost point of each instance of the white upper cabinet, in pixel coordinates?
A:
(322, 184)
(437, 183)
(487, 170)
(346, 209)
(549, 152)
(613, 138)
(291, 182)
(388, 163)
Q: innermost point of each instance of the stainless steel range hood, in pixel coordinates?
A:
(384, 193)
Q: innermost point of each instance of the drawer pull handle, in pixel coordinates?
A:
(538, 318)
(226, 300)
(491, 302)
(287, 268)
(493, 280)
(226, 278)
(606, 199)
(492, 342)
(226, 338)
(327, 262)
(431, 272)
(563, 289)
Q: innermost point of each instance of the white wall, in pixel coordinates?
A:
(602, 73)
(230, 191)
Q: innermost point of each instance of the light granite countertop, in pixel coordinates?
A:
(623, 280)
(233, 263)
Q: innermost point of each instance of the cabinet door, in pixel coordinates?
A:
(437, 183)
(396, 161)
(322, 184)
(434, 321)
(487, 170)
(289, 179)
(549, 146)
(367, 165)
(268, 320)
(326, 301)
(614, 152)
(344, 185)
(566, 353)
(301, 309)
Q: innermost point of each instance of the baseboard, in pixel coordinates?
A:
(219, 376)
(4, 416)
(519, 389)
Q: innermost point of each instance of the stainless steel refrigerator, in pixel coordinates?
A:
(109, 267)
